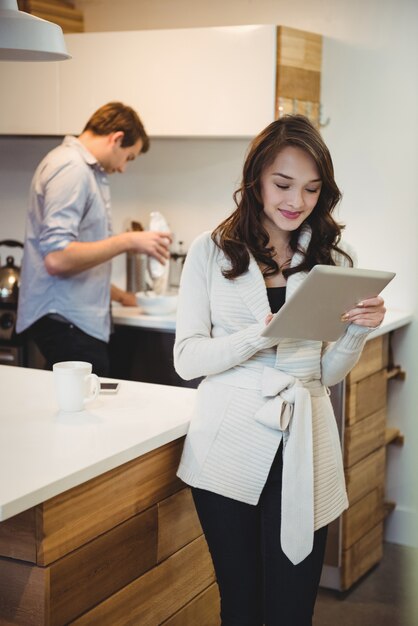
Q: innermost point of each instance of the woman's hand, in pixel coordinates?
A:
(368, 313)
(268, 318)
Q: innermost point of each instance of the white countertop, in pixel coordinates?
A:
(394, 318)
(43, 452)
(133, 316)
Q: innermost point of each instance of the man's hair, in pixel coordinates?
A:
(115, 116)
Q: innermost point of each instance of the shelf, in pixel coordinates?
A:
(396, 372)
(394, 435)
(388, 507)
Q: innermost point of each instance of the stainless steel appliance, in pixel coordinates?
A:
(12, 346)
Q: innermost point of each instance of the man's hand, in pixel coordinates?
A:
(125, 298)
(153, 243)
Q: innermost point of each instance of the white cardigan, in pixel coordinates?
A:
(229, 448)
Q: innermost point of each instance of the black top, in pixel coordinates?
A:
(276, 297)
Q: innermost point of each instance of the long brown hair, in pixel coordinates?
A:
(115, 116)
(242, 232)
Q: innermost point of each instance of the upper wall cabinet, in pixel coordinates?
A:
(197, 82)
(29, 101)
(185, 82)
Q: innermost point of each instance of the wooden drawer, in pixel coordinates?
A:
(159, 593)
(366, 475)
(361, 556)
(361, 517)
(203, 610)
(365, 397)
(375, 357)
(364, 437)
(178, 523)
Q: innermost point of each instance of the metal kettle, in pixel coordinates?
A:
(10, 275)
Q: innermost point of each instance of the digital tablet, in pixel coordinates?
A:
(314, 310)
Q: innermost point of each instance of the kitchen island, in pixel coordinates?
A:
(95, 526)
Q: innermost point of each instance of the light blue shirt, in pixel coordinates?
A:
(69, 201)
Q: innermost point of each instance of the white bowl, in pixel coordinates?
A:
(152, 303)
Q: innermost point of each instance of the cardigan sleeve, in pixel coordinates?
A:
(196, 352)
(339, 358)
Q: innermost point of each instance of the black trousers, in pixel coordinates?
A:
(61, 341)
(257, 582)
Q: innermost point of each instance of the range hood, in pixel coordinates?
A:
(24, 37)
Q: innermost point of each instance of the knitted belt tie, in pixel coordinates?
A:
(289, 407)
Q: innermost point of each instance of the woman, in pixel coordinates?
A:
(262, 453)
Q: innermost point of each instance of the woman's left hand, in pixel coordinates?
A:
(368, 313)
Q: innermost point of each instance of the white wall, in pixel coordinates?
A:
(370, 93)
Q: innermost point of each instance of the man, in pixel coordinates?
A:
(65, 291)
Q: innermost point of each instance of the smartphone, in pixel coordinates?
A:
(109, 387)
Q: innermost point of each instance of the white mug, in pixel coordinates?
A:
(75, 384)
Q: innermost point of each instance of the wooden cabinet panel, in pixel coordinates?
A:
(374, 358)
(362, 555)
(178, 523)
(23, 594)
(366, 475)
(298, 82)
(18, 537)
(362, 516)
(98, 569)
(365, 397)
(204, 610)
(159, 593)
(364, 437)
(70, 519)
